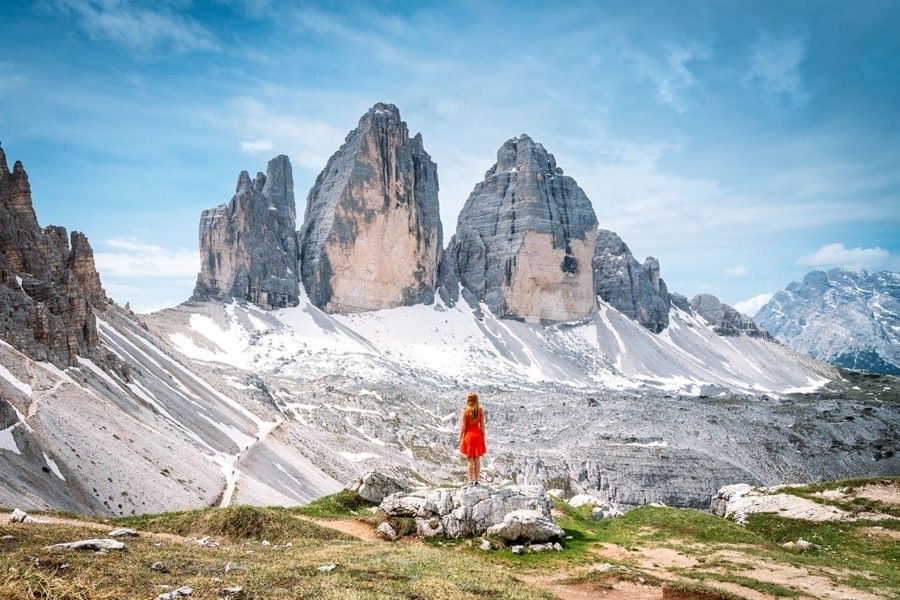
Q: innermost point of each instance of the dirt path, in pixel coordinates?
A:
(620, 590)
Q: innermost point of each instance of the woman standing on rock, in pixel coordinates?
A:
(471, 436)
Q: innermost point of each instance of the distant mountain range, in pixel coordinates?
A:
(310, 355)
(843, 317)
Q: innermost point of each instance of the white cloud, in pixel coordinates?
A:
(837, 255)
(256, 146)
(775, 68)
(136, 27)
(134, 258)
(308, 142)
(671, 74)
(751, 306)
(736, 271)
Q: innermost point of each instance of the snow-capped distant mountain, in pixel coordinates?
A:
(847, 318)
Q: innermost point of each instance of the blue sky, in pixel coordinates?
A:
(742, 144)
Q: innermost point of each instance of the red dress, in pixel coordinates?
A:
(472, 444)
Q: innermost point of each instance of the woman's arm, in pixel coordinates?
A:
(462, 425)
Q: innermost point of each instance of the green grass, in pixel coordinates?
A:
(241, 522)
(29, 570)
(345, 504)
(841, 545)
(654, 524)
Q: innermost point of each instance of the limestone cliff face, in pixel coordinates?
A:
(525, 239)
(724, 319)
(371, 237)
(635, 290)
(47, 288)
(248, 247)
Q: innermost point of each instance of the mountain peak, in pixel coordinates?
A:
(372, 236)
(846, 317)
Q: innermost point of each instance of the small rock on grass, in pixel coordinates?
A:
(231, 592)
(18, 516)
(160, 567)
(122, 532)
(96, 545)
(386, 532)
(181, 592)
(327, 568)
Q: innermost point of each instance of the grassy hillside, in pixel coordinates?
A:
(277, 553)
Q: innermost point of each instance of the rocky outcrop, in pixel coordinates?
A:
(526, 526)
(635, 290)
(248, 247)
(524, 239)
(472, 510)
(740, 500)
(47, 287)
(850, 318)
(371, 237)
(375, 486)
(724, 319)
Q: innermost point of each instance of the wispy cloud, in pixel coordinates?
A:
(134, 26)
(671, 73)
(752, 305)
(736, 271)
(308, 142)
(131, 257)
(257, 146)
(9, 79)
(774, 69)
(837, 255)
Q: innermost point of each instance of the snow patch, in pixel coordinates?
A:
(15, 381)
(7, 441)
(53, 466)
(358, 456)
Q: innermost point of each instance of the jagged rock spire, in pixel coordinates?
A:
(248, 247)
(372, 237)
(635, 290)
(48, 288)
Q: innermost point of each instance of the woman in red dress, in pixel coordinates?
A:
(471, 436)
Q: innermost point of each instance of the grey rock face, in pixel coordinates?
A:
(456, 513)
(848, 318)
(524, 239)
(633, 289)
(48, 290)
(248, 247)
(724, 319)
(372, 237)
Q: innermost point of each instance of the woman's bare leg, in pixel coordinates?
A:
(472, 469)
(477, 468)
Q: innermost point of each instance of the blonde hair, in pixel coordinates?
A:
(472, 407)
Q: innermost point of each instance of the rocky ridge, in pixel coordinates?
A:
(371, 237)
(635, 290)
(844, 317)
(48, 286)
(248, 247)
(724, 319)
